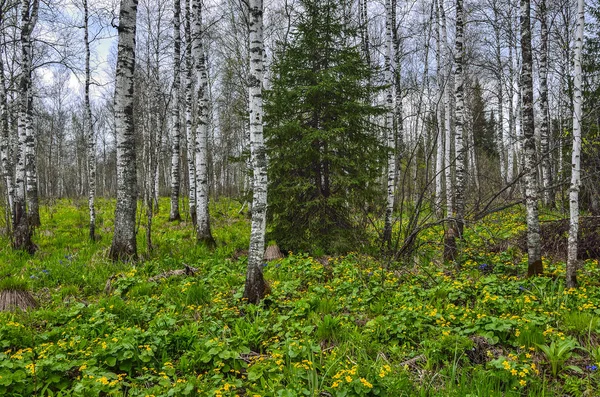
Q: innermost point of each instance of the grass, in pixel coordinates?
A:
(351, 327)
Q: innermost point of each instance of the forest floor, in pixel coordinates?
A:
(330, 326)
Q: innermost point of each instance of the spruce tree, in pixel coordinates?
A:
(325, 157)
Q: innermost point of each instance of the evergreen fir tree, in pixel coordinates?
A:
(483, 132)
(325, 158)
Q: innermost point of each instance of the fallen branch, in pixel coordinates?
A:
(187, 271)
(413, 361)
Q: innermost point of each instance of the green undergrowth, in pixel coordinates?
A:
(331, 326)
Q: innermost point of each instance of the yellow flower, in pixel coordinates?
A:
(31, 368)
(522, 382)
(348, 379)
(366, 383)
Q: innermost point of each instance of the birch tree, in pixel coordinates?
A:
(203, 233)
(447, 114)
(189, 131)
(255, 285)
(502, 134)
(5, 155)
(33, 205)
(22, 229)
(459, 95)
(576, 153)
(175, 148)
(389, 122)
(529, 151)
(88, 129)
(456, 229)
(439, 158)
(545, 119)
(398, 111)
(124, 243)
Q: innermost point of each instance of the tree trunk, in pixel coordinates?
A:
(447, 116)
(88, 129)
(363, 18)
(22, 228)
(545, 124)
(255, 285)
(576, 154)
(175, 149)
(398, 111)
(389, 123)
(7, 166)
(530, 161)
(459, 198)
(203, 233)
(31, 166)
(502, 133)
(189, 131)
(439, 158)
(124, 245)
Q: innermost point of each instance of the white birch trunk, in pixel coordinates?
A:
(5, 156)
(363, 18)
(88, 129)
(529, 151)
(576, 153)
(398, 111)
(389, 123)
(124, 245)
(255, 286)
(33, 206)
(22, 230)
(502, 133)
(459, 121)
(447, 116)
(175, 148)
(456, 228)
(189, 131)
(439, 162)
(545, 124)
(7, 166)
(510, 150)
(203, 233)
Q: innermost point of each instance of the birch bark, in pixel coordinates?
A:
(545, 124)
(502, 134)
(459, 120)
(88, 129)
(255, 285)
(398, 111)
(439, 163)
(203, 233)
(447, 115)
(529, 151)
(7, 166)
(576, 153)
(189, 131)
(22, 229)
(175, 148)
(33, 205)
(124, 245)
(456, 228)
(389, 123)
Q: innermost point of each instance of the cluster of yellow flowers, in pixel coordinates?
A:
(348, 376)
(386, 369)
